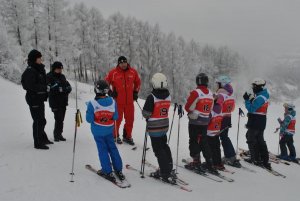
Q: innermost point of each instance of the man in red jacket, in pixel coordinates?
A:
(125, 83)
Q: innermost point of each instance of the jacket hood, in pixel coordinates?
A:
(161, 93)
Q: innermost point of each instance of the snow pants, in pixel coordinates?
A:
(163, 154)
(257, 145)
(287, 140)
(198, 142)
(39, 122)
(59, 116)
(226, 142)
(214, 144)
(128, 112)
(108, 153)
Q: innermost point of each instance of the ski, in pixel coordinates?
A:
(217, 175)
(201, 173)
(274, 172)
(182, 187)
(246, 153)
(274, 157)
(155, 168)
(242, 168)
(118, 183)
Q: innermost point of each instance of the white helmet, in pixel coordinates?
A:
(289, 105)
(223, 79)
(159, 81)
(259, 82)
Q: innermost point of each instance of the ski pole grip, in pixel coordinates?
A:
(175, 107)
(241, 113)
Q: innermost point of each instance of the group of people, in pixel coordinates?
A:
(209, 115)
(39, 87)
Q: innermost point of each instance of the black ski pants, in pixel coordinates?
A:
(59, 116)
(39, 122)
(257, 145)
(198, 142)
(287, 140)
(163, 154)
(214, 144)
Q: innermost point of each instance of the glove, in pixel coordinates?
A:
(246, 96)
(68, 89)
(135, 95)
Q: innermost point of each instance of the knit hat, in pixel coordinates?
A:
(33, 56)
(122, 59)
(57, 64)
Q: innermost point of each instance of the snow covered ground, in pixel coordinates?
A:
(30, 174)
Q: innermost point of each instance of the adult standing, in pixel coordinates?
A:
(125, 85)
(60, 89)
(34, 82)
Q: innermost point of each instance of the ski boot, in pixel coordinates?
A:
(118, 140)
(293, 159)
(120, 175)
(210, 169)
(219, 167)
(232, 162)
(267, 165)
(286, 158)
(128, 141)
(109, 176)
(59, 138)
(169, 179)
(155, 174)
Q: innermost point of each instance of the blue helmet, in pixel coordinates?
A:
(223, 79)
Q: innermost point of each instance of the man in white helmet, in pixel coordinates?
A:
(257, 107)
(155, 111)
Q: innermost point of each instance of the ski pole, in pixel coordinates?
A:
(144, 156)
(278, 145)
(175, 106)
(78, 121)
(241, 114)
(140, 108)
(180, 114)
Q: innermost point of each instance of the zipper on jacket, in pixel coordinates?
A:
(125, 86)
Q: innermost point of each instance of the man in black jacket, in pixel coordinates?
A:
(34, 82)
(58, 98)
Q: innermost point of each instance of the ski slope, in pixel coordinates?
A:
(43, 175)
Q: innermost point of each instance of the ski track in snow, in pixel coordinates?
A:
(30, 174)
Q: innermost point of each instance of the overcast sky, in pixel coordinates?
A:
(256, 28)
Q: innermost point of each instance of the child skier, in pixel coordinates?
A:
(101, 114)
(199, 105)
(156, 111)
(287, 131)
(227, 102)
(213, 135)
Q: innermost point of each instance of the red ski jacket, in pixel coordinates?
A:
(125, 82)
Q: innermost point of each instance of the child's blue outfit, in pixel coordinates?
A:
(101, 114)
